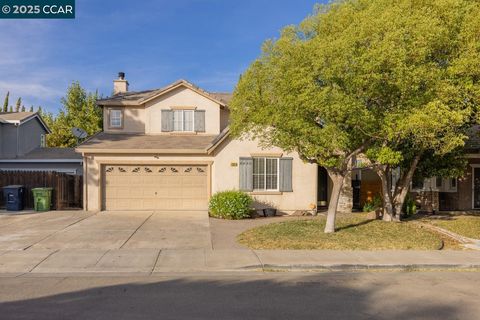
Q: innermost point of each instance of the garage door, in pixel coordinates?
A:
(129, 187)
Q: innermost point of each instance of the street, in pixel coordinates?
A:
(244, 295)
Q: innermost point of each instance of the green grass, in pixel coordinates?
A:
(464, 225)
(354, 232)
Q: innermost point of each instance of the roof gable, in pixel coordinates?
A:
(142, 97)
(21, 118)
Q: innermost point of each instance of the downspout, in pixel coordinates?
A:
(85, 183)
(17, 125)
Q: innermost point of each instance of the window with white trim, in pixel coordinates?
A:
(43, 140)
(453, 183)
(265, 174)
(115, 118)
(183, 120)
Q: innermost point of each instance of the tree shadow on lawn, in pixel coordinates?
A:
(353, 225)
(320, 296)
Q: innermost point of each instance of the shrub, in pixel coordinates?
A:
(232, 205)
(373, 204)
(409, 206)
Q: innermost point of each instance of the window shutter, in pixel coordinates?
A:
(246, 174)
(167, 120)
(199, 120)
(286, 174)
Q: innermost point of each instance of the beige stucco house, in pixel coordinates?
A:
(170, 149)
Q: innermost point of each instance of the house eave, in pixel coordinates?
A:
(140, 151)
(13, 160)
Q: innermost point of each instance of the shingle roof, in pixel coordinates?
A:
(139, 97)
(113, 142)
(16, 116)
(53, 153)
(223, 96)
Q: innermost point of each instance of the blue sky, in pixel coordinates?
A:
(209, 42)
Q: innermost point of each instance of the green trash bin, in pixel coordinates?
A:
(42, 198)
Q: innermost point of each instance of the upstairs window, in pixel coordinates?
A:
(417, 182)
(453, 183)
(183, 120)
(116, 118)
(43, 140)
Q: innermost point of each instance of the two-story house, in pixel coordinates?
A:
(22, 146)
(170, 149)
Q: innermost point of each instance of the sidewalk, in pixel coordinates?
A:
(154, 261)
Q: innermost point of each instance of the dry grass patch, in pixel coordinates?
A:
(354, 232)
(464, 225)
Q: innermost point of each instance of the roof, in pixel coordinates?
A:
(47, 155)
(16, 116)
(53, 153)
(218, 139)
(141, 97)
(223, 96)
(21, 117)
(142, 143)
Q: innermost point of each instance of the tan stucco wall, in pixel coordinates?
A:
(223, 175)
(182, 97)
(133, 120)
(226, 176)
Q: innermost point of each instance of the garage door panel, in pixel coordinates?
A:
(154, 187)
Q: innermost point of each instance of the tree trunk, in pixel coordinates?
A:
(388, 207)
(394, 196)
(337, 179)
(402, 188)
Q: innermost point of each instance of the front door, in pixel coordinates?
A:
(476, 188)
(322, 188)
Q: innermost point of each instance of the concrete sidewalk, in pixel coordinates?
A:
(154, 261)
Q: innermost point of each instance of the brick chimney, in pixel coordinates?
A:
(120, 85)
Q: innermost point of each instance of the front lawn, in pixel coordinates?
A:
(464, 225)
(354, 232)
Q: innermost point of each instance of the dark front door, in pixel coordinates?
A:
(322, 187)
(356, 194)
(476, 188)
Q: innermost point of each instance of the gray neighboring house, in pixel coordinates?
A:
(22, 146)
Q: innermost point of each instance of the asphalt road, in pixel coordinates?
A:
(362, 295)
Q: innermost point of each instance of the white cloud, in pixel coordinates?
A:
(29, 89)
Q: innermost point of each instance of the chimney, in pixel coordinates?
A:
(120, 85)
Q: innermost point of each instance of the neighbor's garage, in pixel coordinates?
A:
(156, 187)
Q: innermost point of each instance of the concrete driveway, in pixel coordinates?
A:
(105, 230)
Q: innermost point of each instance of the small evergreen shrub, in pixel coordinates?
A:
(233, 205)
(409, 206)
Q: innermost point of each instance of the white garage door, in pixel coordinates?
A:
(130, 187)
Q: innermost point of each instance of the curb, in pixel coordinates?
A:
(359, 267)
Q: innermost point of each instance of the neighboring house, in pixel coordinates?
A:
(463, 193)
(22, 146)
(431, 194)
(170, 149)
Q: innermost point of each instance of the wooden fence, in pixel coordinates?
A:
(67, 189)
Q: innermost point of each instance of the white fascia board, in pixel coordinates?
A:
(41, 161)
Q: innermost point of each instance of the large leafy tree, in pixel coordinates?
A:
(431, 81)
(295, 96)
(393, 80)
(78, 110)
